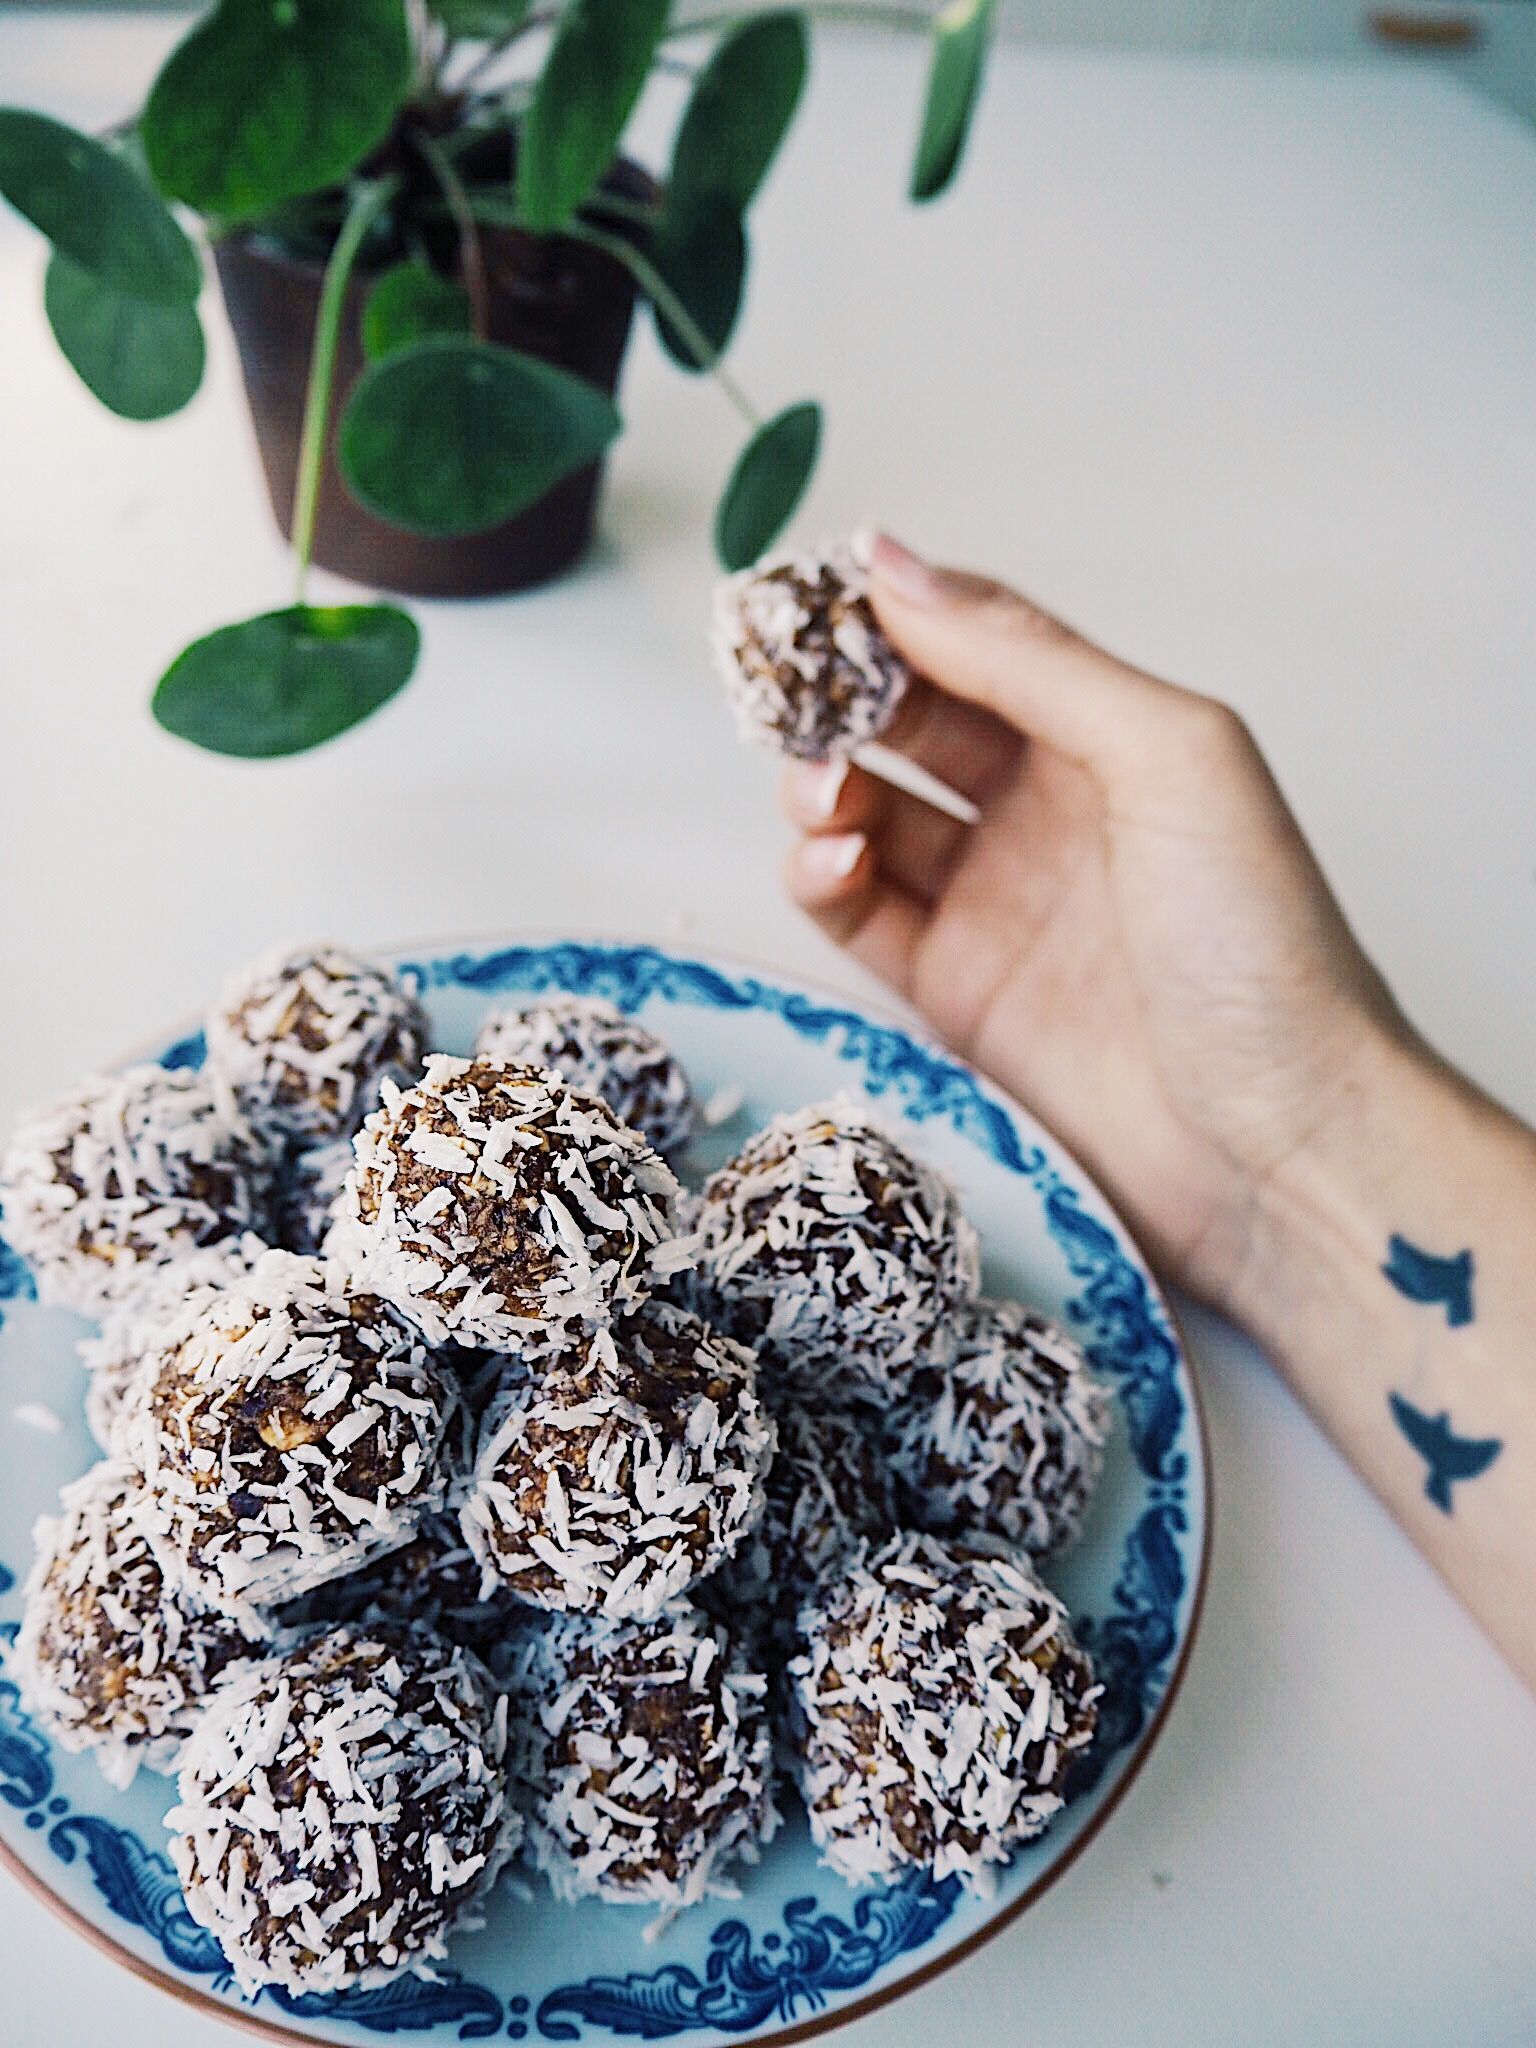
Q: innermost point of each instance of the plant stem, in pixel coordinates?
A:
(471, 255)
(867, 13)
(617, 207)
(540, 18)
(488, 207)
(446, 51)
(366, 207)
(667, 303)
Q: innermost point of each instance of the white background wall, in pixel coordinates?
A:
(1502, 61)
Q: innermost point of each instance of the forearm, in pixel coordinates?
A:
(1420, 1362)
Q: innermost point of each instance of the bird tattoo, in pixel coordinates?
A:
(1423, 1276)
(1450, 1457)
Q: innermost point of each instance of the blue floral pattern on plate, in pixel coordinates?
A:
(745, 1985)
(746, 1980)
(16, 1283)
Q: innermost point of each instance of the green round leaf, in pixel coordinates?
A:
(270, 99)
(961, 33)
(451, 436)
(482, 20)
(287, 680)
(141, 360)
(767, 484)
(739, 109)
(591, 79)
(701, 252)
(95, 208)
(408, 303)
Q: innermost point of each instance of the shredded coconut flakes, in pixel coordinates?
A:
(937, 1704)
(646, 1768)
(339, 1807)
(554, 1207)
(804, 661)
(836, 1251)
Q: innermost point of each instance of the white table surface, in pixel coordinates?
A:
(1233, 365)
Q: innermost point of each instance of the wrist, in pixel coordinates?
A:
(1389, 1278)
(1322, 1221)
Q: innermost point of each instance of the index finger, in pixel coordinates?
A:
(984, 644)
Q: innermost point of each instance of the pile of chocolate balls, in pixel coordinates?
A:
(474, 1491)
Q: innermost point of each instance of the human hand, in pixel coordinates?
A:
(1134, 938)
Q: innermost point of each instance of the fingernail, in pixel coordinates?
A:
(832, 859)
(908, 575)
(823, 785)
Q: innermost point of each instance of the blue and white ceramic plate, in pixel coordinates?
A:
(799, 1951)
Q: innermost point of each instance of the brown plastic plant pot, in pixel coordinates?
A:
(555, 298)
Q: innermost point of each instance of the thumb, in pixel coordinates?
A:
(980, 641)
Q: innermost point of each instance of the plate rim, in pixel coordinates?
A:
(257, 2025)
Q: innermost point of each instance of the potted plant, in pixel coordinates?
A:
(430, 245)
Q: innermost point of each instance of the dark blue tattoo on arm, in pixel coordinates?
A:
(1424, 1277)
(1449, 1457)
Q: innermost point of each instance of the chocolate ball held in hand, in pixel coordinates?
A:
(805, 663)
